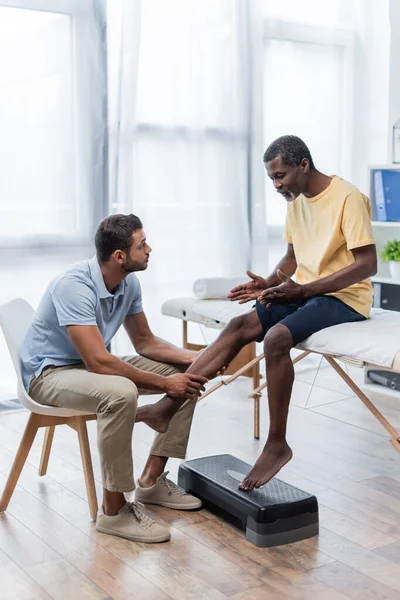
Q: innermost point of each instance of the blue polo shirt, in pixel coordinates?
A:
(78, 297)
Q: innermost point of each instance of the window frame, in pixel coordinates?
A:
(345, 39)
(90, 98)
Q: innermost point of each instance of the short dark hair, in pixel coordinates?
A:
(291, 149)
(115, 233)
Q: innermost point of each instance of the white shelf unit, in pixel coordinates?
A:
(383, 230)
(386, 224)
(379, 279)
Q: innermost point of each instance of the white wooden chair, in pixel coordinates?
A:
(15, 318)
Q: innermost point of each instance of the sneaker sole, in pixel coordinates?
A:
(153, 540)
(171, 505)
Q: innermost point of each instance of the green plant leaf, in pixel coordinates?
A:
(391, 251)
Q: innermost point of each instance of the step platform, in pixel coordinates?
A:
(276, 513)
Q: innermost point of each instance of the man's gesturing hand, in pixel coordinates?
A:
(287, 291)
(248, 291)
(185, 385)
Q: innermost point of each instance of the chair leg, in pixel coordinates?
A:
(20, 459)
(81, 429)
(47, 442)
(256, 400)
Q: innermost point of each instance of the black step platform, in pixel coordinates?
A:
(274, 514)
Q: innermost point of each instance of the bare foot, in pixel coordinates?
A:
(274, 456)
(153, 417)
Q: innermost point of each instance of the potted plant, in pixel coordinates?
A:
(391, 254)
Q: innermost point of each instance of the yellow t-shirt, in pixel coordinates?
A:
(323, 230)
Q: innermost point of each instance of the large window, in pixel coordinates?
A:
(50, 122)
(308, 77)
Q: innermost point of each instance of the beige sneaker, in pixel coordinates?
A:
(166, 493)
(133, 524)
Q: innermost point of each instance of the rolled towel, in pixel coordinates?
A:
(216, 287)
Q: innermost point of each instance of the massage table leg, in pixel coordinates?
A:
(394, 435)
(256, 393)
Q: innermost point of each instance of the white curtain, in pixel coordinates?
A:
(179, 140)
(52, 145)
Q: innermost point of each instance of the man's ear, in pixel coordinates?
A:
(118, 256)
(305, 165)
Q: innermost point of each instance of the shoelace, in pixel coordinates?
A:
(171, 486)
(140, 516)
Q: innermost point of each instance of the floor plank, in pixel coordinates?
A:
(61, 580)
(361, 512)
(353, 584)
(387, 485)
(351, 529)
(366, 562)
(15, 583)
(392, 552)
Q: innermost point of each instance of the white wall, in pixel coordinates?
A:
(394, 85)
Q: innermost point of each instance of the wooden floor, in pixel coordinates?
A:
(50, 549)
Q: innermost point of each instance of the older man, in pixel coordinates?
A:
(331, 250)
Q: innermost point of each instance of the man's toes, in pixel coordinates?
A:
(247, 484)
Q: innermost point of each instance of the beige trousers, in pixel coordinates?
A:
(114, 399)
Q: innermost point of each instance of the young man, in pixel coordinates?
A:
(66, 363)
(331, 250)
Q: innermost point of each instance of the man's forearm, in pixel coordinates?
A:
(163, 351)
(112, 365)
(287, 265)
(158, 349)
(337, 281)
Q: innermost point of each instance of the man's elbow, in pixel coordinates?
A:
(144, 345)
(98, 364)
(373, 266)
(374, 271)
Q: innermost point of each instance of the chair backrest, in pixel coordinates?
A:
(15, 318)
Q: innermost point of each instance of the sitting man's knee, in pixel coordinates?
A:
(236, 325)
(278, 340)
(122, 396)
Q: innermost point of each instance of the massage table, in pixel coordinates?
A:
(371, 344)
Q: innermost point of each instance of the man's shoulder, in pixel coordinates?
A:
(344, 188)
(132, 282)
(77, 274)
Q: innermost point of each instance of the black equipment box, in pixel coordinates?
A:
(386, 378)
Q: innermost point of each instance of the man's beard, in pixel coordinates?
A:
(131, 267)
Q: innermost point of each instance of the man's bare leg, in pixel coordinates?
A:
(112, 502)
(239, 332)
(280, 376)
(153, 468)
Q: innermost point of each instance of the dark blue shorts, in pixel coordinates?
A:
(305, 318)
